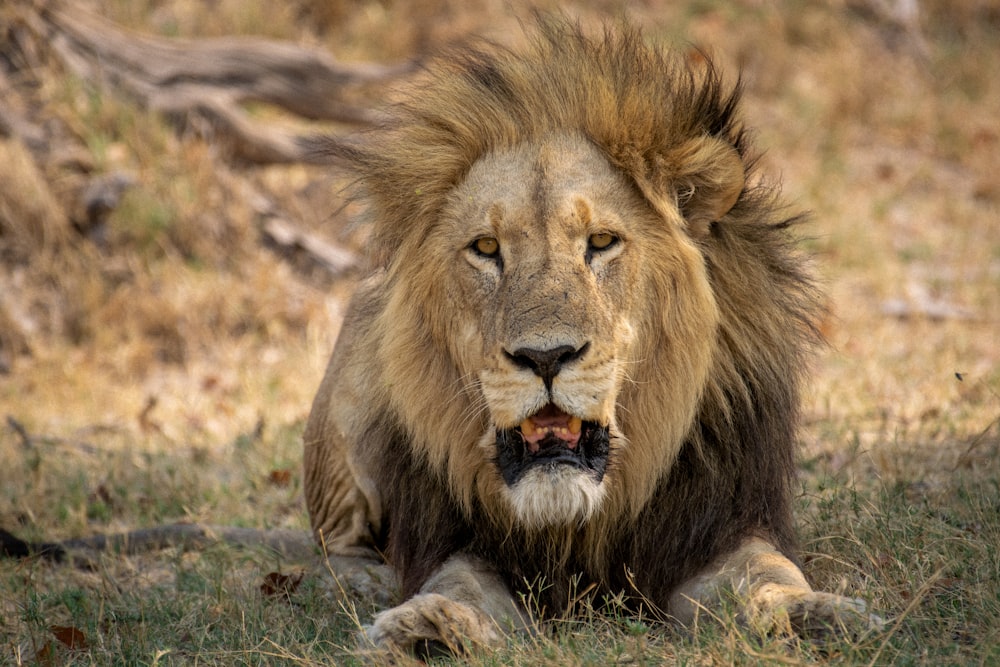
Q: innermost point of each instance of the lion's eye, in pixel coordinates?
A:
(602, 240)
(486, 246)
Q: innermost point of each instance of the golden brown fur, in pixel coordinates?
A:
(680, 345)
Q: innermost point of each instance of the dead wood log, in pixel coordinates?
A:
(360, 577)
(212, 78)
(293, 544)
(304, 250)
(205, 83)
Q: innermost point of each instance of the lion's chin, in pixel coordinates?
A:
(555, 495)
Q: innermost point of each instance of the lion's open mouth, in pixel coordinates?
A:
(552, 437)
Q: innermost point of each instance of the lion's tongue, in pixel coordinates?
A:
(551, 420)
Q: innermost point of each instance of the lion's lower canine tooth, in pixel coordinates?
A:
(575, 424)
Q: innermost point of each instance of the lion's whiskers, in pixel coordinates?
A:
(477, 405)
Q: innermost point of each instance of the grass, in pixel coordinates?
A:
(921, 552)
(209, 610)
(166, 375)
(931, 568)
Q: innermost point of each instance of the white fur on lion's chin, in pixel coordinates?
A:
(557, 496)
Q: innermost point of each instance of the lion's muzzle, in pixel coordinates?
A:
(552, 438)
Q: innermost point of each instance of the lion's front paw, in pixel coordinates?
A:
(432, 623)
(816, 615)
(820, 615)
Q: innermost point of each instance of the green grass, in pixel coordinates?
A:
(923, 556)
(209, 610)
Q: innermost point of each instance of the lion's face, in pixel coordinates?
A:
(543, 266)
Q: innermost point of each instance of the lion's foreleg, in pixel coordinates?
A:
(772, 595)
(465, 604)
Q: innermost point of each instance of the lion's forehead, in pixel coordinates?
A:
(545, 191)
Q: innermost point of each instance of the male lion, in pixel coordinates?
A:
(576, 361)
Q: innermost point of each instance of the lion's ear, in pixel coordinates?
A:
(712, 179)
(703, 178)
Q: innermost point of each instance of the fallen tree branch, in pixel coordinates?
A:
(293, 544)
(213, 78)
(204, 85)
(301, 247)
(355, 576)
(304, 250)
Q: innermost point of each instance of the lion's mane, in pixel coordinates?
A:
(730, 472)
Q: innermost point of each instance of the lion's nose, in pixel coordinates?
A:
(546, 364)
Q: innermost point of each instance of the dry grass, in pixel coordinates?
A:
(165, 375)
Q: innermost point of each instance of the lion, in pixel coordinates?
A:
(575, 362)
